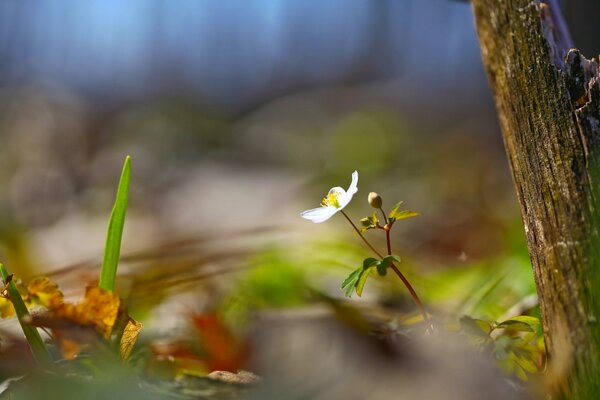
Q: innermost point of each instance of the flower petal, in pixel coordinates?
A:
(345, 197)
(353, 188)
(318, 215)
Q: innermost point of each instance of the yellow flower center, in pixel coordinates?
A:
(331, 199)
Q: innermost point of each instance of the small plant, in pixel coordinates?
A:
(516, 344)
(101, 314)
(335, 201)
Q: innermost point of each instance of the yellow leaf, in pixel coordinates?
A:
(99, 308)
(6, 308)
(130, 335)
(42, 291)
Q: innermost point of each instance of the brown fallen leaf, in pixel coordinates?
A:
(6, 308)
(130, 335)
(76, 325)
(42, 291)
(99, 308)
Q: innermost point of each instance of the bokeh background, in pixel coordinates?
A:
(240, 114)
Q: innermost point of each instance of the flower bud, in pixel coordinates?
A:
(375, 200)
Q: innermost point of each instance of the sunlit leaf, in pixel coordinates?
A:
(112, 249)
(130, 335)
(6, 308)
(403, 215)
(394, 210)
(350, 282)
(362, 279)
(521, 323)
(42, 291)
(369, 222)
(527, 364)
(98, 309)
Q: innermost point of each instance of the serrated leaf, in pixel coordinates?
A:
(475, 327)
(350, 282)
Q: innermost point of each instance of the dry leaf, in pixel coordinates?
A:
(223, 351)
(6, 308)
(99, 308)
(42, 291)
(130, 335)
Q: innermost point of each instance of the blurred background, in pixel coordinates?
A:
(238, 115)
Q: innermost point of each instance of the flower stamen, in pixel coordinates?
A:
(331, 199)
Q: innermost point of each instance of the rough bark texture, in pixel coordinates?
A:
(548, 100)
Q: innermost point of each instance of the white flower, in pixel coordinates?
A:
(335, 201)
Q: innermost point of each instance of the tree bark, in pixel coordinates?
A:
(548, 101)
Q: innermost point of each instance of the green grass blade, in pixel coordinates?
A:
(37, 345)
(112, 250)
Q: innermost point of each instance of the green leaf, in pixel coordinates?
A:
(370, 262)
(363, 279)
(116, 222)
(515, 326)
(385, 263)
(350, 282)
(403, 215)
(390, 259)
(475, 327)
(394, 210)
(369, 222)
(531, 321)
(37, 345)
(521, 323)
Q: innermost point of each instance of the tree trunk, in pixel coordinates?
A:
(548, 101)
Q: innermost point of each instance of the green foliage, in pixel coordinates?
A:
(371, 222)
(520, 323)
(349, 284)
(396, 214)
(357, 279)
(475, 327)
(116, 222)
(516, 343)
(38, 347)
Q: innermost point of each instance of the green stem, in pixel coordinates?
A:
(411, 290)
(384, 215)
(361, 235)
(36, 343)
(405, 281)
